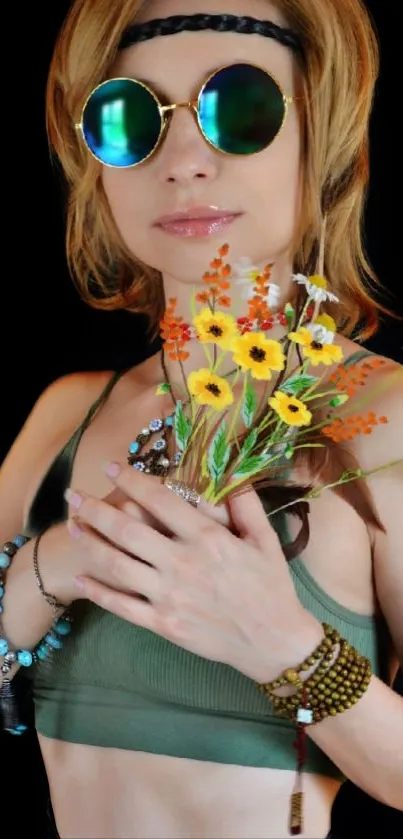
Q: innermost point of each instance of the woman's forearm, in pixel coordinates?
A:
(366, 743)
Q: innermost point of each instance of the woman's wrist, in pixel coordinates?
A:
(292, 648)
(339, 677)
(56, 570)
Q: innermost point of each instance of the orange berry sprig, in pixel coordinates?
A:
(217, 280)
(258, 307)
(175, 333)
(349, 380)
(343, 430)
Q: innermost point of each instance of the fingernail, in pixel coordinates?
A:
(73, 528)
(73, 498)
(112, 469)
(79, 583)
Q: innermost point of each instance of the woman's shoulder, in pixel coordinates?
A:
(66, 400)
(79, 383)
(376, 383)
(56, 413)
(379, 454)
(62, 403)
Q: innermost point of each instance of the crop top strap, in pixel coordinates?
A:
(49, 506)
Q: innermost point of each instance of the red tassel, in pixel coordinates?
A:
(297, 798)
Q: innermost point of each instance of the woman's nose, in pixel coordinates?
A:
(184, 154)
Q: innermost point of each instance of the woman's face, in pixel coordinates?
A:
(186, 172)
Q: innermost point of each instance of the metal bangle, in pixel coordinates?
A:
(50, 598)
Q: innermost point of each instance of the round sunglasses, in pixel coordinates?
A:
(240, 110)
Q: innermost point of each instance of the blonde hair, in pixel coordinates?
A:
(338, 80)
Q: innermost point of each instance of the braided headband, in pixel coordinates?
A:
(218, 23)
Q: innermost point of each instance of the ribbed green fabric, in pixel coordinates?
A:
(120, 686)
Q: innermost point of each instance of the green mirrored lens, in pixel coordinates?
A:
(121, 122)
(241, 109)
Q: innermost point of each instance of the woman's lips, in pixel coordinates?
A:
(200, 222)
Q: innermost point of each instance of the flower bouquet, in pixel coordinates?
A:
(241, 428)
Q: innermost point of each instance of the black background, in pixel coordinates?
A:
(48, 332)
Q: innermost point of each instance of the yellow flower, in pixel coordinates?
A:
(254, 352)
(317, 353)
(290, 410)
(217, 328)
(209, 389)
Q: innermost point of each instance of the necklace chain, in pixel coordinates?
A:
(167, 378)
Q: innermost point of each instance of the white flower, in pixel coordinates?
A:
(243, 269)
(320, 334)
(316, 288)
(323, 329)
(246, 274)
(273, 298)
(301, 279)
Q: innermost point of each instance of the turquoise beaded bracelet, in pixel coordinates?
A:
(53, 640)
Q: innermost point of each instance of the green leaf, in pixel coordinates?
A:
(296, 384)
(289, 312)
(289, 452)
(339, 400)
(163, 388)
(249, 443)
(183, 427)
(249, 405)
(218, 453)
(252, 465)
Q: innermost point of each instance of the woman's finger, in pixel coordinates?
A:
(123, 605)
(177, 515)
(113, 567)
(133, 537)
(250, 519)
(117, 498)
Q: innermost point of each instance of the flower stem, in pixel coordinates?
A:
(352, 476)
(236, 412)
(245, 479)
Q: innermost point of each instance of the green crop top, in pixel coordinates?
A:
(121, 686)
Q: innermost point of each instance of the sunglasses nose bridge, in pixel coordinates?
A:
(169, 109)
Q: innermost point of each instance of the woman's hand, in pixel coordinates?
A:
(222, 595)
(87, 563)
(118, 498)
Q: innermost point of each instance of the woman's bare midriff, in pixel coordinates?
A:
(113, 794)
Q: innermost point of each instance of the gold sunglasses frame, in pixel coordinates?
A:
(193, 105)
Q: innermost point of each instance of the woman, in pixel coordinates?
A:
(149, 720)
